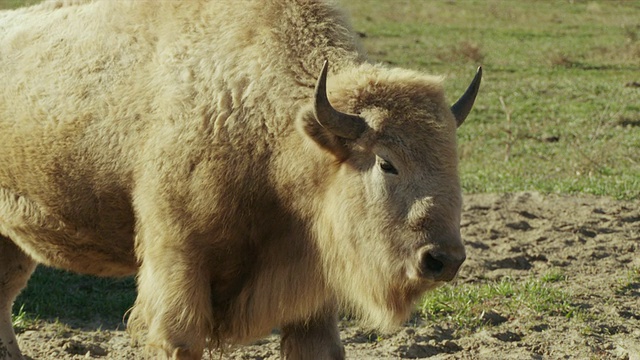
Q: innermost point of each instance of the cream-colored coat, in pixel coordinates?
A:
(177, 140)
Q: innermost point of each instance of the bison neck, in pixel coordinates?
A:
(247, 94)
(285, 287)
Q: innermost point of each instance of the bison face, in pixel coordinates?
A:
(389, 227)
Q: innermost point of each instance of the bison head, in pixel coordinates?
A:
(388, 227)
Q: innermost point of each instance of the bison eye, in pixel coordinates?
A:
(386, 167)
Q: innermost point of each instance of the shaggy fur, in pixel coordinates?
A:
(177, 140)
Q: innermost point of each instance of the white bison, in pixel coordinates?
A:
(203, 146)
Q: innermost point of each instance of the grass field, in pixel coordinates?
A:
(559, 107)
(558, 111)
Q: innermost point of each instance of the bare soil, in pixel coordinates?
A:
(593, 241)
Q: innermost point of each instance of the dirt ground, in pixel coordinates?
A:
(594, 241)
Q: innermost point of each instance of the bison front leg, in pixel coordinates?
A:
(317, 338)
(173, 303)
(15, 269)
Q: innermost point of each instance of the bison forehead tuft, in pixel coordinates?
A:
(396, 90)
(406, 111)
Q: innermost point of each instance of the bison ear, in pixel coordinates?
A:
(325, 139)
(346, 126)
(327, 127)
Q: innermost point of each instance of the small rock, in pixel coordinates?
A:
(629, 315)
(517, 263)
(519, 225)
(586, 232)
(416, 351)
(78, 347)
(96, 350)
(451, 346)
(599, 255)
(561, 263)
(630, 219)
(538, 257)
(540, 327)
(492, 318)
(528, 215)
(508, 336)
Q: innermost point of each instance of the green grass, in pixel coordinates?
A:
(630, 284)
(23, 320)
(12, 4)
(561, 69)
(74, 299)
(465, 306)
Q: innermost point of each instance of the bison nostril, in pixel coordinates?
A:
(432, 264)
(440, 267)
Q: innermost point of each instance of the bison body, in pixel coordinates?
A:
(202, 146)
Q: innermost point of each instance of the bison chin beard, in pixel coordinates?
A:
(380, 302)
(367, 278)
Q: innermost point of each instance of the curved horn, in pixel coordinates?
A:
(340, 124)
(463, 106)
